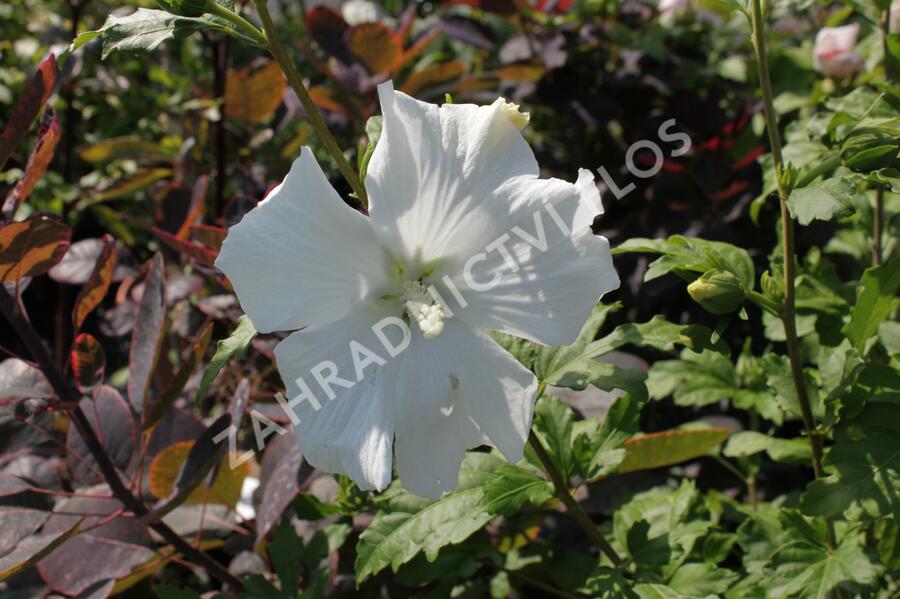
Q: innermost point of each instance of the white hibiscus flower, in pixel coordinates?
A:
(462, 237)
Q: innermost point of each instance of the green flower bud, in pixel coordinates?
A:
(718, 291)
(871, 148)
(184, 8)
(772, 286)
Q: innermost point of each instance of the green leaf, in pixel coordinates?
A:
(683, 255)
(647, 551)
(878, 295)
(144, 30)
(233, 346)
(698, 379)
(285, 553)
(575, 366)
(829, 199)
(553, 423)
(407, 525)
(598, 449)
(513, 488)
(655, 450)
(865, 461)
(789, 451)
(813, 571)
(698, 579)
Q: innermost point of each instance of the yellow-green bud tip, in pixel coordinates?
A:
(516, 117)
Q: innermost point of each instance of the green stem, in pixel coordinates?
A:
(242, 24)
(279, 53)
(789, 309)
(877, 226)
(561, 486)
(765, 303)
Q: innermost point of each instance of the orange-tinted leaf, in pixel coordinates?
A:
(41, 155)
(476, 83)
(167, 465)
(209, 236)
(146, 337)
(130, 147)
(27, 108)
(88, 362)
(187, 248)
(522, 73)
(323, 97)
(97, 285)
(655, 450)
(198, 197)
(253, 96)
(376, 46)
(32, 246)
(419, 46)
(434, 74)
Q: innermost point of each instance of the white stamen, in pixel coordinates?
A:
(422, 308)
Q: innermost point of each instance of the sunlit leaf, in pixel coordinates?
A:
(98, 284)
(27, 107)
(31, 247)
(253, 96)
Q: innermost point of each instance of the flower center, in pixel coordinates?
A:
(423, 309)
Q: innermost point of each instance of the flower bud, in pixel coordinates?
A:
(772, 286)
(718, 291)
(833, 53)
(185, 8)
(871, 148)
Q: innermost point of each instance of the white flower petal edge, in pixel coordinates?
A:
(560, 268)
(434, 172)
(302, 256)
(455, 392)
(352, 433)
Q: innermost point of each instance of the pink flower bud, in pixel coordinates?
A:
(833, 53)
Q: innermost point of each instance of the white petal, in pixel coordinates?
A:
(454, 392)
(555, 278)
(302, 256)
(431, 178)
(352, 433)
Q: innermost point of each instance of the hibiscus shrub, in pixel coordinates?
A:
(450, 299)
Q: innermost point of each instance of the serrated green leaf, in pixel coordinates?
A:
(407, 525)
(865, 461)
(879, 289)
(144, 30)
(683, 255)
(698, 379)
(513, 488)
(233, 346)
(829, 199)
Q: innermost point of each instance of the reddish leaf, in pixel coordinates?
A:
(187, 248)
(11, 485)
(280, 480)
(111, 417)
(239, 401)
(327, 27)
(198, 350)
(16, 523)
(27, 108)
(34, 549)
(88, 362)
(32, 246)
(147, 335)
(253, 96)
(78, 264)
(48, 136)
(376, 46)
(97, 285)
(209, 236)
(105, 551)
(439, 73)
(198, 197)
